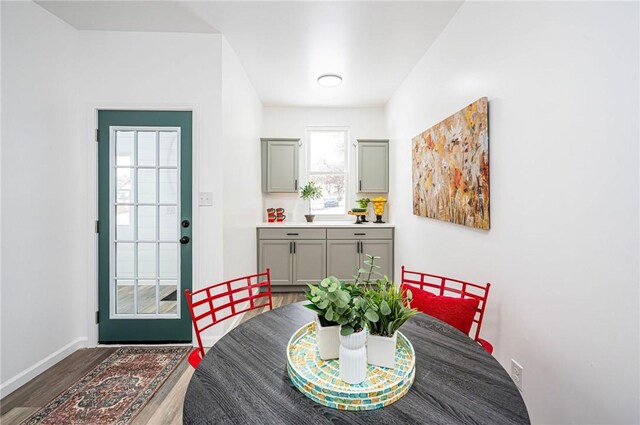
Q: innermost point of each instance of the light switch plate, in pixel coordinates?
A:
(205, 199)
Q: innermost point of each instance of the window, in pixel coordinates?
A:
(327, 166)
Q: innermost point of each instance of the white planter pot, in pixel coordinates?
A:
(353, 357)
(328, 339)
(381, 350)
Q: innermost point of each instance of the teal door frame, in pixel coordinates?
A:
(112, 329)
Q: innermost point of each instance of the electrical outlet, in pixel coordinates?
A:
(516, 374)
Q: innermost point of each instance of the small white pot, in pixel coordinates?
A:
(381, 350)
(353, 357)
(328, 339)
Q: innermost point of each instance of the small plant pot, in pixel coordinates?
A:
(353, 357)
(328, 340)
(381, 350)
(309, 217)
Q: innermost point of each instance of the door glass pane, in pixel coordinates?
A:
(124, 148)
(168, 296)
(141, 223)
(168, 186)
(124, 185)
(124, 296)
(168, 223)
(124, 259)
(147, 296)
(146, 260)
(124, 223)
(146, 148)
(168, 148)
(168, 260)
(146, 223)
(146, 186)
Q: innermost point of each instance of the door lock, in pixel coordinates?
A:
(185, 223)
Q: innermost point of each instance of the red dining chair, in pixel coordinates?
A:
(444, 286)
(214, 304)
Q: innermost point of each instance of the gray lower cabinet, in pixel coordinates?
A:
(382, 249)
(293, 256)
(297, 256)
(309, 261)
(276, 255)
(343, 259)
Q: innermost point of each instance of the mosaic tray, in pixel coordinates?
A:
(319, 379)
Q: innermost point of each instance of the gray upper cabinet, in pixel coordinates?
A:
(373, 166)
(279, 165)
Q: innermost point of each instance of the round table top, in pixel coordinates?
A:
(243, 379)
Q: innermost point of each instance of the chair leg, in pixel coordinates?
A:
(486, 345)
(195, 357)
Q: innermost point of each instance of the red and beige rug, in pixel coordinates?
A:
(115, 390)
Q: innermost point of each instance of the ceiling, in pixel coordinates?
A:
(285, 45)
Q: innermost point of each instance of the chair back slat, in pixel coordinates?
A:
(224, 296)
(445, 286)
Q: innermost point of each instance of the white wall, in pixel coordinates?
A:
(562, 252)
(167, 71)
(282, 122)
(43, 193)
(240, 162)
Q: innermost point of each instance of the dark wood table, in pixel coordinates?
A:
(243, 380)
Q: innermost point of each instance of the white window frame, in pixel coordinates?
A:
(348, 173)
(112, 225)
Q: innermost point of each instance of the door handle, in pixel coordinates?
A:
(358, 247)
(292, 234)
(296, 184)
(294, 247)
(184, 240)
(359, 234)
(290, 247)
(360, 186)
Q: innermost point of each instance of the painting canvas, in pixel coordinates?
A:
(451, 168)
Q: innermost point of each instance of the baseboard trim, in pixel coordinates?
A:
(31, 372)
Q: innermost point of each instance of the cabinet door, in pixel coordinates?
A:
(282, 166)
(373, 167)
(277, 256)
(382, 249)
(309, 261)
(343, 259)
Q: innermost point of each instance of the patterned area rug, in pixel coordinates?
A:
(115, 390)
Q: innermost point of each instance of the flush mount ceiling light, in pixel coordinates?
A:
(329, 80)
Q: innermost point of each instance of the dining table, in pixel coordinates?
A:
(243, 379)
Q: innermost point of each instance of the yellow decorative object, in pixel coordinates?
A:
(378, 208)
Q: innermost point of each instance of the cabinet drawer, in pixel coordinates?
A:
(360, 233)
(292, 233)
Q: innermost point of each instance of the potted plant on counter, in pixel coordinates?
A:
(330, 300)
(393, 310)
(308, 193)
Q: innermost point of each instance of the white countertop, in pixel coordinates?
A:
(327, 223)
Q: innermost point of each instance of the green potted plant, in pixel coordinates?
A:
(392, 305)
(309, 192)
(330, 300)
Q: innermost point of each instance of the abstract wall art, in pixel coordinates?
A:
(451, 168)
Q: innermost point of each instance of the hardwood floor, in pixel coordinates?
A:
(164, 408)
